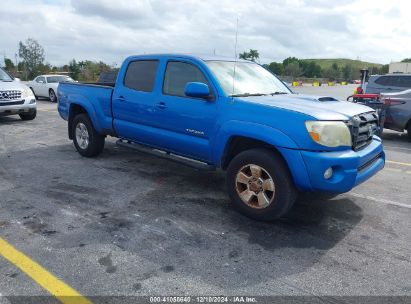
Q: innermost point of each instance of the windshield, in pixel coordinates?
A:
(250, 79)
(4, 76)
(54, 79)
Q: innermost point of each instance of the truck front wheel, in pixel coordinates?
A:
(260, 185)
(87, 141)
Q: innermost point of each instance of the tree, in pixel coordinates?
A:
(406, 60)
(347, 73)
(289, 60)
(32, 54)
(293, 69)
(311, 69)
(276, 68)
(252, 55)
(74, 69)
(9, 65)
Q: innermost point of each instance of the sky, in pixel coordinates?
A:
(110, 30)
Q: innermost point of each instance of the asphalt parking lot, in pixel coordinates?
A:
(129, 224)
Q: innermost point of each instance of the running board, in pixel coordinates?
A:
(198, 165)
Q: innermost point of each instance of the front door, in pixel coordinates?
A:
(186, 123)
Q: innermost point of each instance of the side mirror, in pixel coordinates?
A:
(16, 79)
(197, 89)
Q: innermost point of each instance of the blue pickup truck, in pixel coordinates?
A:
(232, 115)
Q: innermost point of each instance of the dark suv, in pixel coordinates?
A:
(388, 83)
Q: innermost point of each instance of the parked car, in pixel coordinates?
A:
(46, 85)
(388, 83)
(398, 115)
(272, 143)
(16, 98)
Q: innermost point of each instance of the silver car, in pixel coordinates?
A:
(16, 98)
(398, 115)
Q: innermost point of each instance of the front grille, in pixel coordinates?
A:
(362, 128)
(11, 103)
(10, 95)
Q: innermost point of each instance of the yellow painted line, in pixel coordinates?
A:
(41, 276)
(398, 163)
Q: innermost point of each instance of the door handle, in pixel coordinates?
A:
(121, 98)
(161, 105)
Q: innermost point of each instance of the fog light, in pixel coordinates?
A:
(328, 173)
(32, 101)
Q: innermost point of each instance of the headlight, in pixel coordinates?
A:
(26, 93)
(329, 133)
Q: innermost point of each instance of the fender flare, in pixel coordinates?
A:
(264, 133)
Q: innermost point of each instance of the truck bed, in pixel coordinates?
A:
(95, 98)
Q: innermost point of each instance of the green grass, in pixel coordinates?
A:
(327, 63)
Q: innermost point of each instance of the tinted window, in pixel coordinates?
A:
(178, 74)
(404, 81)
(141, 75)
(392, 81)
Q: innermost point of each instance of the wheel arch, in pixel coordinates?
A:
(74, 110)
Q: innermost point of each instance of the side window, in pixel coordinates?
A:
(384, 80)
(40, 79)
(178, 74)
(141, 74)
(404, 81)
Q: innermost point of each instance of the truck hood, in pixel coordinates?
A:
(12, 85)
(319, 107)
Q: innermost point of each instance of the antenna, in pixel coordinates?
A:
(235, 55)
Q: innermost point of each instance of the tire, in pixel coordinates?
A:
(87, 141)
(29, 115)
(274, 174)
(409, 131)
(52, 95)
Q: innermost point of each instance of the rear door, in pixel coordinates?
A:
(133, 101)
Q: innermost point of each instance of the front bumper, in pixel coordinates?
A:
(350, 168)
(12, 107)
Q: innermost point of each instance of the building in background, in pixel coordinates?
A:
(400, 67)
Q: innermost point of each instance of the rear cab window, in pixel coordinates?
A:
(141, 75)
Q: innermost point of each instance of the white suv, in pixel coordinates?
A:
(16, 98)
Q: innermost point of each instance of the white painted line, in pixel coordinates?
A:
(392, 169)
(380, 200)
(398, 163)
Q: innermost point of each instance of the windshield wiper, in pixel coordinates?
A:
(248, 94)
(278, 93)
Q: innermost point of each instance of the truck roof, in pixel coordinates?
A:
(189, 56)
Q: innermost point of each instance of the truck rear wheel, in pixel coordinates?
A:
(260, 185)
(87, 141)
